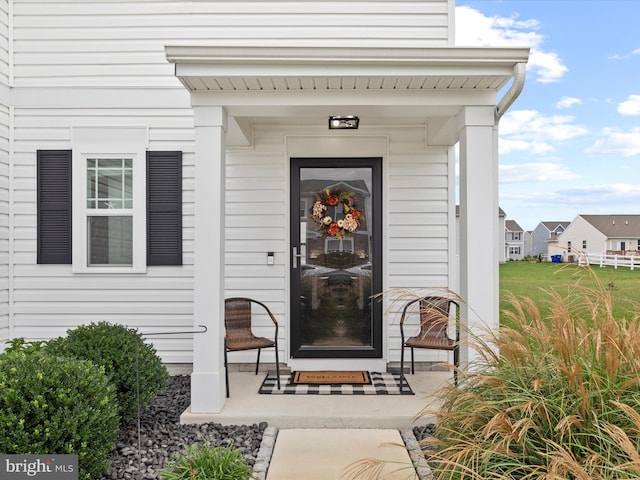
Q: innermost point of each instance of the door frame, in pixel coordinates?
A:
(375, 222)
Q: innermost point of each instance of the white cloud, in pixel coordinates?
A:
(631, 106)
(604, 192)
(473, 28)
(548, 66)
(507, 145)
(568, 102)
(616, 142)
(535, 132)
(536, 172)
(567, 203)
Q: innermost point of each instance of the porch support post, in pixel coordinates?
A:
(479, 242)
(208, 378)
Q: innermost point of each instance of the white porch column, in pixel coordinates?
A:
(479, 258)
(208, 378)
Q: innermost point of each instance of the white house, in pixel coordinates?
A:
(602, 234)
(157, 157)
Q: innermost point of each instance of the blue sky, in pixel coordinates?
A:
(570, 144)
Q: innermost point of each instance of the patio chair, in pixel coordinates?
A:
(239, 335)
(434, 322)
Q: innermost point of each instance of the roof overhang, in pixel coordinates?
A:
(387, 85)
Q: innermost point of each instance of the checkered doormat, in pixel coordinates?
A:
(381, 384)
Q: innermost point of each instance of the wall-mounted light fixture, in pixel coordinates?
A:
(343, 122)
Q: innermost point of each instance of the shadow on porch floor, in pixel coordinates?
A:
(246, 406)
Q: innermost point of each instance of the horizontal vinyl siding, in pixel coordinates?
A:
(122, 43)
(4, 172)
(5, 72)
(255, 223)
(103, 63)
(417, 250)
(416, 247)
(49, 299)
(4, 224)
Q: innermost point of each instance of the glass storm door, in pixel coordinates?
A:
(336, 252)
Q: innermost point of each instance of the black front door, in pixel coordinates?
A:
(336, 252)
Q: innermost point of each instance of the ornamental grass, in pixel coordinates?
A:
(561, 399)
(201, 461)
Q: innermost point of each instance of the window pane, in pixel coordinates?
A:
(128, 185)
(91, 189)
(109, 187)
(110, 163)
(110, 240)
(109, 183)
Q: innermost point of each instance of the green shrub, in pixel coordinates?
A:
(203, 462)
(560, 400)
(116, 347)
(54, 405)
(19, 346)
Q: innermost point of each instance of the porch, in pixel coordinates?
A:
(246, 406)
(256, 110)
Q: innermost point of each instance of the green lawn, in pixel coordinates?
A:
(533, 279)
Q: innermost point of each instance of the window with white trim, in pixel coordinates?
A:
(109, 191)
(91, 210)
(109, 211)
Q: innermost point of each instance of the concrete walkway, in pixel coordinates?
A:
(246, 406)
(328, 437)
(340, 454)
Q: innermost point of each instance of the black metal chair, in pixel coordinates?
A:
(434, 323)
(239, 335)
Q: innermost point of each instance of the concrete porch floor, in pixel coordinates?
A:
(246, 406)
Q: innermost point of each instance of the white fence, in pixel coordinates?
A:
(609, 260)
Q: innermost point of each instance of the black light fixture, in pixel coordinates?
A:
(343, 122)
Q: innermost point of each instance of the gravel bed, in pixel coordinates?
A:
(424, 431)
(162, 436)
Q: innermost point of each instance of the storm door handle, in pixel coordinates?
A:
(294, 257)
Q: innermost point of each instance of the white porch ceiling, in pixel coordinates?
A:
(381, 85)
(320, 83)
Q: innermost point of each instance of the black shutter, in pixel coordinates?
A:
(164, 208)
(54, 206)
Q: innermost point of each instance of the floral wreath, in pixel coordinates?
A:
(332, 227)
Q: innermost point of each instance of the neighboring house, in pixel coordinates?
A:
(610, 234)
(544, 234)
(528, 243)
(501, 238)
(155, 158)
(514, 240)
